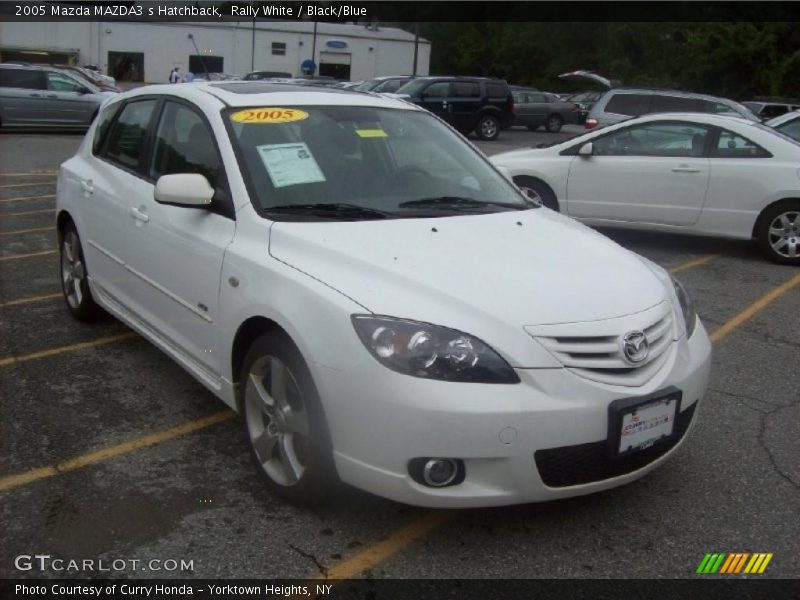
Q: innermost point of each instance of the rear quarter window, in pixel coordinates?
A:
(22, 78)
(101, 131)
(632, 105)
(677, 104)
(495, 91)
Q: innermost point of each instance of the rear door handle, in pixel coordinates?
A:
(87, 186)
(685, 169)
(139, 215)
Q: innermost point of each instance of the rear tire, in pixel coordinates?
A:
(284, 422)
(75, 277)
(488, 128)
(534, 188)
(554, 123)
(778, 233)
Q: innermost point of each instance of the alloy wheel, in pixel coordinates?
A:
(784, 234)
(73, 272)
(488, 128)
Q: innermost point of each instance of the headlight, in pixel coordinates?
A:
(430, 351)
(687, 307)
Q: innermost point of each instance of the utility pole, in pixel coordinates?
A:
(416, 47)
(200, 56)
(253, 48)
(314, 50)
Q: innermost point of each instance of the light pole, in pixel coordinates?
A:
(314, 50)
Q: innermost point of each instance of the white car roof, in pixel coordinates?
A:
(268, 93)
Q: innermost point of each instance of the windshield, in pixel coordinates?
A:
(391, 163)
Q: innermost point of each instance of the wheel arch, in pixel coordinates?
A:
(517, 179)
(62, 220)
(251, 329)
(762, 215)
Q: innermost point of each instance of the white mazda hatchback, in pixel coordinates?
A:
(378, 302)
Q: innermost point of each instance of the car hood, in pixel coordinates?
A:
(512, 268)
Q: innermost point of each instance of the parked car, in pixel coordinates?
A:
(36, 96)
(769, 108)
(620, 104)
(92, 77)
(585, 102)
(692, 173)
(388, 84)
(477, 104)
(378, 302)
(534, 109)
(256, 75)
(787, 124)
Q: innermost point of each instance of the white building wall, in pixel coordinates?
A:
(166, 45)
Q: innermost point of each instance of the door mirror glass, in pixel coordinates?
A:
(586, 150)
(184, 189)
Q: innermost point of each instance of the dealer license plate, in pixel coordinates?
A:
(646, 424)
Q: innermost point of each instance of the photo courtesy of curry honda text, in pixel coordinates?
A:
(693, 173)
(381, 305)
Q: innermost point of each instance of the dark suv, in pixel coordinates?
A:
(477, 104)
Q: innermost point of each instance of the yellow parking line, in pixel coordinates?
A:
(26, 198)
(13, 360)
(30, 299)
(21, 231)
(13, 481)
(29, 184)
(31, 255)
(27, 212)
(754, 308)
(691, 264)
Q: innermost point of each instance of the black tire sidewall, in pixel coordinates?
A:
(554, 118)
(762, 235)
(320, 474)
(479, 130)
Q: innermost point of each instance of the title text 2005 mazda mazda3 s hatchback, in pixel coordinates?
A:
(381, 305)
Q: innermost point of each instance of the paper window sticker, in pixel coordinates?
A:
(290, 164)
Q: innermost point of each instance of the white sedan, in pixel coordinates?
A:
(690, 173)
(380, 304)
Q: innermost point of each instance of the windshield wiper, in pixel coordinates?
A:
(458, 202)
(332, 210)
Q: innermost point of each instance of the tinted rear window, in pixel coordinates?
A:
(632, 105)
(22, 78)
(677, 104)
(465, 89)
(496, 91)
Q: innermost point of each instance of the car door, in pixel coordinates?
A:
(178, 252)
(464, 103)
(655, 172)
(538, 108)
(22, 93)
(69, 101)
(435, 99)
(522, 109)
(111, 187)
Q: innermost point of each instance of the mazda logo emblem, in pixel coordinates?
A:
(635, 347)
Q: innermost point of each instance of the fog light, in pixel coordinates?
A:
(439, 472)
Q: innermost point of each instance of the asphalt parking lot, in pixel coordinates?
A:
(110, 450)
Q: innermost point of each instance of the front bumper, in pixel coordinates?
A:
(380, 420)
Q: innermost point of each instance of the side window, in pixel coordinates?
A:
(791, 128)
(677, 104)
(520, 98)
(390, 86)
(22, 78)
(103, 122)
(61, 83)
(127, 136)
(439, 89)
(466, 89)
(774, 110)
(184, 144)
(732, 145)
(537, 98)
(654, 139)
(495, 91)
(632, 105)
(718, 108)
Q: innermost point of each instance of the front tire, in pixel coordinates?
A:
(75, 278)
(488, 128)
(284, 422)
(537, 190)
(778, 234)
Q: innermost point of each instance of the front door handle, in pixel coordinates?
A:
(88, 186)
(685, 169)
(139, 215)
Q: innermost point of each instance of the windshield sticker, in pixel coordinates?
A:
(371, 133)
(290, 164)
(269, 115)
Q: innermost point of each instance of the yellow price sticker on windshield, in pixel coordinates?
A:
(371, 133)
(269, 115)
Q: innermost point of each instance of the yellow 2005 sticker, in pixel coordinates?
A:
(269, 115)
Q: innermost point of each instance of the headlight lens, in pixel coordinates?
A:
(687, 307)
(430, 351)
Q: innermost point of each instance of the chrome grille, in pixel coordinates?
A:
(600, 357)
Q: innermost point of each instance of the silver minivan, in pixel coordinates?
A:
(38, 96)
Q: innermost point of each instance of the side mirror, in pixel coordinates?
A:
(586, 150)
(505, 172)
(184, 189)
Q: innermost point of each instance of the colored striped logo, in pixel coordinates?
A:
(734, 563)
